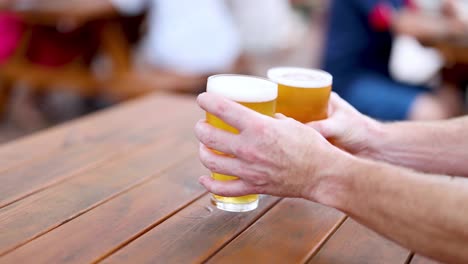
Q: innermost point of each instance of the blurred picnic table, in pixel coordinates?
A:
(127, 192)
(80, 74)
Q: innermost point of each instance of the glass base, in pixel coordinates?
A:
(235, 207)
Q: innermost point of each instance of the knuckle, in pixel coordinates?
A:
(223, 190)
(226, 191)
(207, 159)
(322, 128)
(220, 108)
(246, 152)
(259, 180)
(210, 140)
(200, 131)
(253, 176)
(258, 189)
(291, 120)
(259, 127)
(208, 136)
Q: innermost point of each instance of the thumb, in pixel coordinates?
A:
(324, 127)
(280, 116)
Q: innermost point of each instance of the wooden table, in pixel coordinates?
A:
(121, 186)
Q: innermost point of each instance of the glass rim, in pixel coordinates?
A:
(266, 90)
(275, 75)
(239, 75)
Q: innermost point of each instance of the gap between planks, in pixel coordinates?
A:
(82, 121)
(78, 214)
(121, 153)
(149, 228)
(410, 258)
(243, 230)
(324, 240)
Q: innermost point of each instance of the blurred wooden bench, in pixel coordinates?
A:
(76, 75)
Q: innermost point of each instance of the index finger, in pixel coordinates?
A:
(229, 111)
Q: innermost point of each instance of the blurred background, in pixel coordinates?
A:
(392, 59)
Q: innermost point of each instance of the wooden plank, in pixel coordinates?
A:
(286, 234)
(117, 139)
(69, 134)
(418, 259)
(44, 211)
(191, 235)
(116, 222)
(354, 243)
(92, 129)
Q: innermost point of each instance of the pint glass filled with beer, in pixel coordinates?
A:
(303, 94)
(255, 93)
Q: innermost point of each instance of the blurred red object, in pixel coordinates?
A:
(381, 16)
(46, 45)
(49, 47)
(11, 32)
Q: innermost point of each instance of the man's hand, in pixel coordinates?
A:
(347, 128)
(279, 156)
(434, 147)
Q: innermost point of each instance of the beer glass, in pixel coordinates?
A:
(255, 93)
(303, 94)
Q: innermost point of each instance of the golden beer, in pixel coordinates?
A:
(255, 93)
(303, 94)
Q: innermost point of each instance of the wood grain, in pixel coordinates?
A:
(43, 211)
(80, 151)
(191, 235)
(116, 222)
(354, 243)
(85, 129)
(142, 204)
(288, 233)
(418, 259)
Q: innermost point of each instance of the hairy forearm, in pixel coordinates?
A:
(425, 213)
(435, 147)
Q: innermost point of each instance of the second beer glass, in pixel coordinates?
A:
(303, 94)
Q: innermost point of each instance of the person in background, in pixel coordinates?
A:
(272, 32)
(186, 42)
(359, 43)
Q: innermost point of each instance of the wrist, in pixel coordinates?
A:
(334, 182)
(375, 133)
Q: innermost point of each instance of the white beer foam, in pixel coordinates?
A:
(300, 77)
(243, 88)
